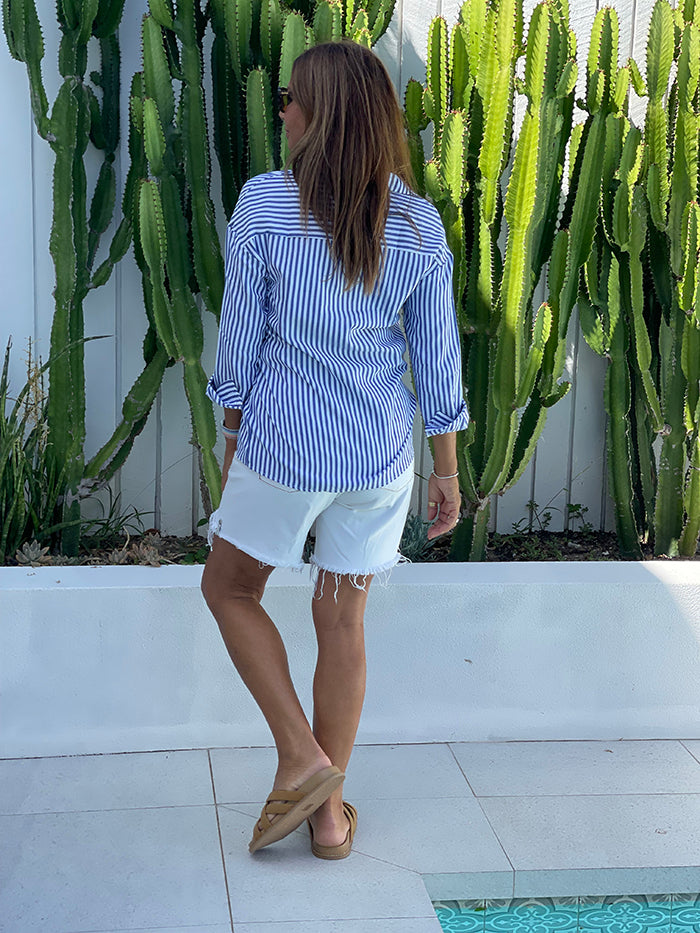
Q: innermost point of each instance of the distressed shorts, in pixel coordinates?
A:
(357, 533)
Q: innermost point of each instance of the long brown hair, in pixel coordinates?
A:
(354, 138)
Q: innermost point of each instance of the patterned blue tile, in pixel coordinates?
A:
(671, 913)
(460, 916)
(636, 913)
(685, 913)
(532, 915)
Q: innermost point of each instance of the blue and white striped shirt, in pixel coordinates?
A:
(317, 370)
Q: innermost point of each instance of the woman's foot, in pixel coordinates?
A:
(291, 775)
(329, 823)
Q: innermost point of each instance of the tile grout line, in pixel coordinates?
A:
(221, 841)
(486, 817)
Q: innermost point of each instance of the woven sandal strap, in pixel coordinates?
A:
(284, 796)
(351, 814)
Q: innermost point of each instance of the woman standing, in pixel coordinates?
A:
(320, 261)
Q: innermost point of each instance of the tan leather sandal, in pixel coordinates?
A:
(291, 807)
(343, 850)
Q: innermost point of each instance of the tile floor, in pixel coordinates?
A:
(157, 841)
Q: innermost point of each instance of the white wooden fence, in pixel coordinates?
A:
(161, 477)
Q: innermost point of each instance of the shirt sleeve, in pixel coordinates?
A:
(242, 324)
(430, 323)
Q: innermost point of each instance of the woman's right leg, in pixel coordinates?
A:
(339, 686)
(233, 584)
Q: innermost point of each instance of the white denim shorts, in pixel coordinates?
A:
(357, 533)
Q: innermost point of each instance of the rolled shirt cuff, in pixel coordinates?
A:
(441, 423)
(226, 394)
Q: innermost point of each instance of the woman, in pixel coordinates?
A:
(320, 261)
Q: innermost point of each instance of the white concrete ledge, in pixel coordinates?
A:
(96, 659)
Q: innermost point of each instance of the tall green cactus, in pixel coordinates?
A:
(76, 119)
(513, 353)
(647, 244)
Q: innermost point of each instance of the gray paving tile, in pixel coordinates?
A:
(693, 746)
(244, 775)
(403, 925)
(463, 885)
(285, 882)
(197, 928)
(105, 782)
(511, 769)
(111, 870)
(613, 831)
(600, 882)
(391, 772)
(421, 835)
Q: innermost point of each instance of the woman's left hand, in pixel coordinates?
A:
(444, 502)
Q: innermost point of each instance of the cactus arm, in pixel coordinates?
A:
(204, 426)
(135, 410)
(496, 141)
(684, 175)
(435, 95)
(533, 362)
(206, 249)
(117, 250)
(101, 208)
(153, 240)
(617, 396)
(583, 217)
(155, 70)
(379, 14)
(690, 273)
(660, 49)
(228, 134)
(688, 543)
(668, 517)
(26, 44)
(260, 127)
(293, 44)
(532, 422)
(238, 17)
(271, 24)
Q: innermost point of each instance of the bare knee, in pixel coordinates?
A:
(339, 601)
(231, 574)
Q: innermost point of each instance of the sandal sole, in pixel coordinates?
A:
(323, 783)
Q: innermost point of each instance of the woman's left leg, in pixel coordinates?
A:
(339, 686)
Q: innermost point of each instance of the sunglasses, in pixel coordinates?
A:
(284, 99)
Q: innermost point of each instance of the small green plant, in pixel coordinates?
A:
(527, 522)
(32, 489)
(415, 545)
(577, 513)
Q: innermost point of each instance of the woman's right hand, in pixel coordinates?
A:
(231, 444)
(444, 501)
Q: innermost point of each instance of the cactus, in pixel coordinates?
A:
(75, 119)
(513, 353)
(647, 240)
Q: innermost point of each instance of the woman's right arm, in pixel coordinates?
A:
(434, 348)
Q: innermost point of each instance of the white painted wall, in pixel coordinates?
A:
(107, 659)
(161, 478)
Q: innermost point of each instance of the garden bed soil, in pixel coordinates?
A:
(153, 549)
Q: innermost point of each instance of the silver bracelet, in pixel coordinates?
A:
(451, 476)
(229, 432)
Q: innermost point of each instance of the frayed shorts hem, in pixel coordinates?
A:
(382, 573)
(262, 559)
